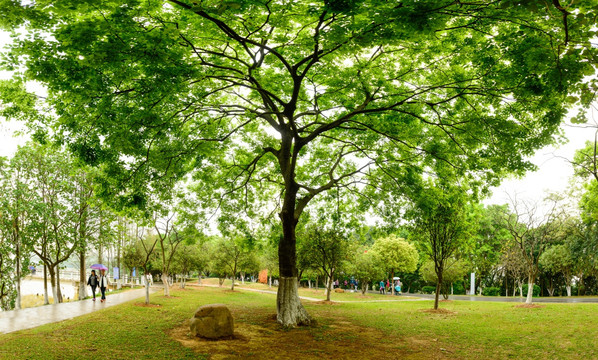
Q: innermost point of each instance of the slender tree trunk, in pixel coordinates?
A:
(438, 285)
(530, 288)
(82, 276)
(329, 287)
(166, 283)
(58, 291)
(568, 287)
(18, 271)
(46, 297)
(53, 283)
(392, 281)
(147, 287)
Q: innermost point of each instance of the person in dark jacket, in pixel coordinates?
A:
(93, 282)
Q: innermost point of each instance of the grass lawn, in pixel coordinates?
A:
(352, 330)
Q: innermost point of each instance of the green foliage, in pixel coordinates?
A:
(491, 291)
(395, 254)
(428, 289)
(366, 267)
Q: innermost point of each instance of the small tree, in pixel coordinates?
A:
(558, 259)
(531, 233)
(396, 255)
(328, 249)
(366, 267)
(454, 270)
(439, 213)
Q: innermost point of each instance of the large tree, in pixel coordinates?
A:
(302, 95)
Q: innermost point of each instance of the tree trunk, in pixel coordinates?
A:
(82, 276)
(166, 284)
(18, 273)
(530, 291)
(364, 288)
(46, 297)
(53, 284)
(309, 283)
(147, 286)
(438, 285)
(58, 291)
(329, 288)
(392, 281)
(290, 311)
(568, 287)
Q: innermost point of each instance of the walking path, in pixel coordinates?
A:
(398, 299)
(16, 320)
(556, 299)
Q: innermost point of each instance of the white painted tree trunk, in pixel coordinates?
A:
(530, 293)
(568, 290)
(147, 286)
(309, 283)
(290, 311)
(166, 282)
(46, 297)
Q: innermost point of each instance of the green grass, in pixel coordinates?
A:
(473, 330)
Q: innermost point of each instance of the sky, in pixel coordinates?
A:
(553, 175)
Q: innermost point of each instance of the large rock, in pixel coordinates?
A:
(213, 322)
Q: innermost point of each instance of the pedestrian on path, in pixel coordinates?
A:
(93, 282)
(382, 287)
(103, 284)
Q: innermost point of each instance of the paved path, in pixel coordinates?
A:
(556, 299)
(396, 299)
(16, 320)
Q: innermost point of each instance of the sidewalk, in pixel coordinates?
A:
(16, 320)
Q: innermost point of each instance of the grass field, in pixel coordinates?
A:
(350, 330)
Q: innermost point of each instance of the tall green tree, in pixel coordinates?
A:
(395, 255)
(304, 96)
(441, 224)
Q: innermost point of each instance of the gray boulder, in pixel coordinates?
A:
(212, 321)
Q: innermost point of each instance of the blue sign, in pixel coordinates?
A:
(115, 271)
(133, 272)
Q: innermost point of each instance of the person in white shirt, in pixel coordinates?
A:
(103, 284)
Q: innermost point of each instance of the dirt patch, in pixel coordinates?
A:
(529, 306)
(325, 302)
(148, 305)
(438, 311)
(264, 338)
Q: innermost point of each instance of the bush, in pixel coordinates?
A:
(491, 291)
(458, 288)
(536, 290)
(428, 289)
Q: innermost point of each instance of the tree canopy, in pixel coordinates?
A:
(301, 96)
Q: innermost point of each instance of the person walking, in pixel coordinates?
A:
(103, 282)
(382, 287)
(93, 282)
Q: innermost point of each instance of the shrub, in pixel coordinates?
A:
(428, 289)
(491, 291)
(458, 288)
(536, 290)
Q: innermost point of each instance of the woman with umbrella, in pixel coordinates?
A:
(103, 280)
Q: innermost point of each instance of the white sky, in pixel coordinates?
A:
(553, 175)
